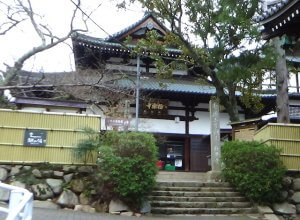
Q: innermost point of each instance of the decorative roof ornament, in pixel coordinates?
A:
(150, 25)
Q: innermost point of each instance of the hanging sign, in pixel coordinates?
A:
(118, 123)
(155, 107)
(35, 138)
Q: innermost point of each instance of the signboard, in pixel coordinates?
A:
(119, 123)
(35, 138)
(155, 107)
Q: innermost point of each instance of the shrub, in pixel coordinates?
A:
(127, 165)
(254, 169)
(86, 148)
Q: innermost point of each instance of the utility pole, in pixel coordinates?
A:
(137, 97)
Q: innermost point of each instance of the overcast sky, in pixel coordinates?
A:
(57, 14)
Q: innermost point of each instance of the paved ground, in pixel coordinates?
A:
(48, 214)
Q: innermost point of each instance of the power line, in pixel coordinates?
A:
(88, 17)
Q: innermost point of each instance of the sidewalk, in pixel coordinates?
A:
(49, 214)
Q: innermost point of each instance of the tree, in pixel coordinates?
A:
(88, 85)
(229, 55)
(22, 11)
(282, 75)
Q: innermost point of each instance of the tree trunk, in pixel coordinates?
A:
(227, 100)
(282, 100)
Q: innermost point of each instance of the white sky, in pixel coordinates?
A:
(57, 14)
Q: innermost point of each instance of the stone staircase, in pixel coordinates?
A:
(198, 197)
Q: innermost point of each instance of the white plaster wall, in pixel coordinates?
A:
(33, 109)
(41, 109)
(176, 104)
(159, 126)
(197, 127)
(294, 102)
(202, 125)
(63, 110)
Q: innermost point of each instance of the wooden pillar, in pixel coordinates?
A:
(187, 141)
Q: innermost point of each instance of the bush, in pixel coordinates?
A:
(86, 148)
(127, 165)
(254, 169)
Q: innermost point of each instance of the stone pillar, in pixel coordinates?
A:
(215, 144)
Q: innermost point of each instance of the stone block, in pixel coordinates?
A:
(84, 208)
(100, 207)
(84, 200)
(42, 191)
(146, 207)
(296, 184)
(36, 173)
(58, 174)
(127, 213)
(68, 199)
(26, 167)
(14, 171)
(264, 210)
(7, 167)
(296, 197)
(3, 174)
(55, 185)
(85, 169)
(271, 217)
(69, 168)
(284, 208)
(77, 185)
(117, 206)
(47, 173)
(68, 177)
(18, 184)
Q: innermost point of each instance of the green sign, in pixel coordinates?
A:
(35, 138)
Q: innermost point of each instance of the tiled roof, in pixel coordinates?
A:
(184, 86)
(134, 25)
(273, 10)
(169, 85)
(100, 42)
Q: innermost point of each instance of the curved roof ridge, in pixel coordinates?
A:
(277, 7)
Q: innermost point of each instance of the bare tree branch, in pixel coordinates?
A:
(13, 71)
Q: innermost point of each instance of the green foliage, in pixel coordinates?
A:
(255, 169)
(127, 165)
(220, 43)
(86, 147)
(26, 176)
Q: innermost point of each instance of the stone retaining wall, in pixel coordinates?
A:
(289, 206)
(60, 186)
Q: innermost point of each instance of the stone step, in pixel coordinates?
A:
(195, 194)
(181, 176)
(195, 211)
(201, 204)
(197, 199)
(195, 189)
(191, 184)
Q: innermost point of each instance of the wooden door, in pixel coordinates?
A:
(199, 153)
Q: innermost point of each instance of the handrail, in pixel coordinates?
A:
(20, 203)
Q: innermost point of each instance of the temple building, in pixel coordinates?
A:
(175, 110)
